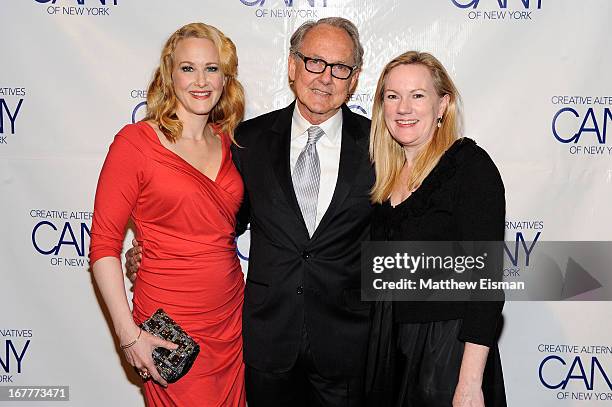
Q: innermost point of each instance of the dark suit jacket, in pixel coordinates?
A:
(296, 282)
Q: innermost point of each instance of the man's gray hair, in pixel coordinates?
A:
(298, 36)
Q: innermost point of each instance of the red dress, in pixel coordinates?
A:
(185, 223)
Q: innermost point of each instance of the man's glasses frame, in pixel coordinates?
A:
(318, 65)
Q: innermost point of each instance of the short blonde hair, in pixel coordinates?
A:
(387, 154)
(162, 101)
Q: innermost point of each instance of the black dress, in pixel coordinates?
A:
(416, 348)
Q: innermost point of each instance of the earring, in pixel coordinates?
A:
(439, 122)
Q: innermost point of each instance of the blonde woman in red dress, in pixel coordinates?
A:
(173, 175)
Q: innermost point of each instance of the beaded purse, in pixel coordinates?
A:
(171, 364)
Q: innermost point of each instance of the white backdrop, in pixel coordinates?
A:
(537, 91)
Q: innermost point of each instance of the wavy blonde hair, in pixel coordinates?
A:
(387, 154)
(162, 101)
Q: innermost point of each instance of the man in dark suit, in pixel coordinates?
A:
(307, 179)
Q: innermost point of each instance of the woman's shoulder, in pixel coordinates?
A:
(139, 135)
(475, 168)
(467, 156)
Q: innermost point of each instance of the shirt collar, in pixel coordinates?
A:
(332, 126)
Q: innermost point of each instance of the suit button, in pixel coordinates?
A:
(299, 290)
(305, 255)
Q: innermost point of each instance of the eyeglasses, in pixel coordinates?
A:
(316, 65)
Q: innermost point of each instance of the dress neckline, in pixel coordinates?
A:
(401, 202)
(153, 133)
(444, 168)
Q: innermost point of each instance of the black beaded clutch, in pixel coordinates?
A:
(171, 364)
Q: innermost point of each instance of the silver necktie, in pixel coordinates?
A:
(306, 178)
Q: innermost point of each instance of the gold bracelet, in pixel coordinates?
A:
(128, 345)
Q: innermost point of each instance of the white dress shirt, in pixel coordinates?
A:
(328, 148)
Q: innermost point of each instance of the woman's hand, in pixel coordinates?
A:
(468, 392)
(137, 344)
(133, 257)
(468, 395)
(140, 356)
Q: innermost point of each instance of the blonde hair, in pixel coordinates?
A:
(387, 154)
(162, 101)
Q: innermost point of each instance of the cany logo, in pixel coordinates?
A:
(520, 241)
(11, 100)
(286, 8)
(583, 123)
(79, 7)
(62, 235)
(502, 4)
(137, 113)
(521, 238)
(139, 110)
(287, 3)
(576, 372)
(499, 9)
(589, 123)
(357, 101)
(80, 2)
(16, 343)
(358, 109)
(243, 245)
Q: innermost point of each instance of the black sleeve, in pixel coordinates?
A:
(481, 211)
(244, 213)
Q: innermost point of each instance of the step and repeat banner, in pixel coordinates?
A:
(537, 92)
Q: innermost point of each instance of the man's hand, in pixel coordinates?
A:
(132, 260)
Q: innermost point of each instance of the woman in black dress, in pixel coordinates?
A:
(431, 185)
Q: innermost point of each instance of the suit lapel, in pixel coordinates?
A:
(280, 153)
(352, 151)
